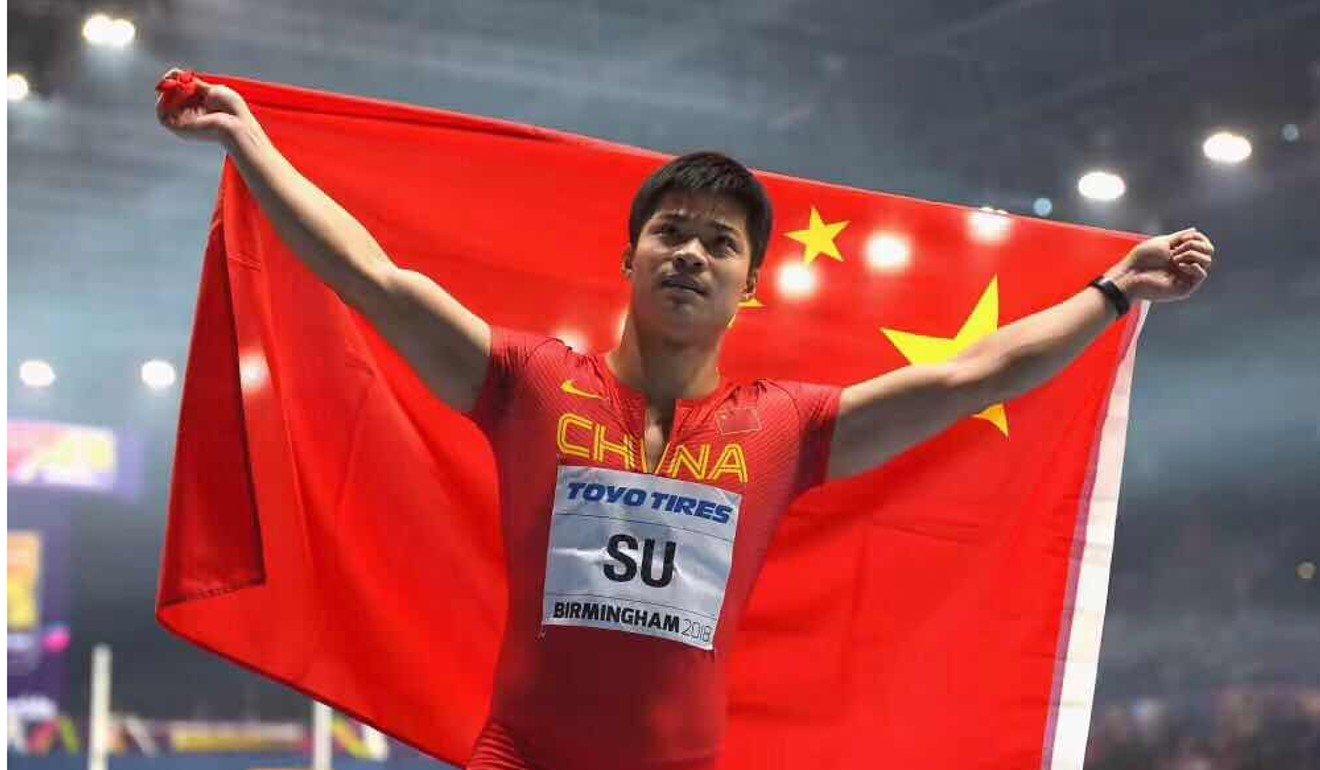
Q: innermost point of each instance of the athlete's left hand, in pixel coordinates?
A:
(1165, 268)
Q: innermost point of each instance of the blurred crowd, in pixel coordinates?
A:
(1233, 729)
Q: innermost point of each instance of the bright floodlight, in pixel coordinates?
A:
(100, 29)
(989, 225)
(158, 374)
(1226, 147)
(887, 252)
(122, 32)
(1042, 206)
(796, 280)
(1101, 186)
(96, 30)
(36, 374)
(18, 87)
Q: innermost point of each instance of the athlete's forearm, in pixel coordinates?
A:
(336, 247)
(1030, 351)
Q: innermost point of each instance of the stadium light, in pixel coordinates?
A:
(796, 280)
(1290, 132)
(122, 32)
(158, 374)
(1042, 206)
(18, 87)
(96, 30)
(1226, 147)
(1101, 186)
(36, 373)
(100, 29)
(887, 252)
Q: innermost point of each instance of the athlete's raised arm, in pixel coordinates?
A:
(883, 416)
(445, 343)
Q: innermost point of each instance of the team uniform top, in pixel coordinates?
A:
(626, 583)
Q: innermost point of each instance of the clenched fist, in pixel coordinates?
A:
(1166, 267)
(194, 109)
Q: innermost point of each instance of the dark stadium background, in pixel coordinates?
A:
(1211, 653)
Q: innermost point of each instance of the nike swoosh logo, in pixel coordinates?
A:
(569, 387)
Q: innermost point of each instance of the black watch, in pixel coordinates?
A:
(1116, 296)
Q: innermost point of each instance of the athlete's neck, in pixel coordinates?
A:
(662, 369)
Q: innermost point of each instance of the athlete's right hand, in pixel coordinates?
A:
(214, 113)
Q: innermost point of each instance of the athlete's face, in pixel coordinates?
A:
(695, 240)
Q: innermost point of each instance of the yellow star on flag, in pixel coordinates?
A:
(819, 237)
(984, 320)
(753, 302)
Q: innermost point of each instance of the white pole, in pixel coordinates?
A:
(17, 733)
(321, 746)
(98, 740)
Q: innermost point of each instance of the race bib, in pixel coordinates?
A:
(639, 553)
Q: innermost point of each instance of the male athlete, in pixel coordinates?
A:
(634, 548)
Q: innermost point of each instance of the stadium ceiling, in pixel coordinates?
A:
(976, 102)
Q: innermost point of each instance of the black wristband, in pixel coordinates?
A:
(1116, 296)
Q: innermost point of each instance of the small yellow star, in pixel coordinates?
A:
(752, 303)
(819, 237)
(984, 320)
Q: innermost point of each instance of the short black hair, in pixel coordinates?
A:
(707, 172)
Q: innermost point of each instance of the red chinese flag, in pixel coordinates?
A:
(335, 527)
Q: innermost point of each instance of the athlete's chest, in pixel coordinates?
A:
(692, 443)
(643, 508)
(657, 425)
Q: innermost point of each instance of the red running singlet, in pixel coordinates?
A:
(626, 583)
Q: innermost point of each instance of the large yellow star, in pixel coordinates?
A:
(819, 237)
(984, 320)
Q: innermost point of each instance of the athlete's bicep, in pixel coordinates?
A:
(882, 417)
